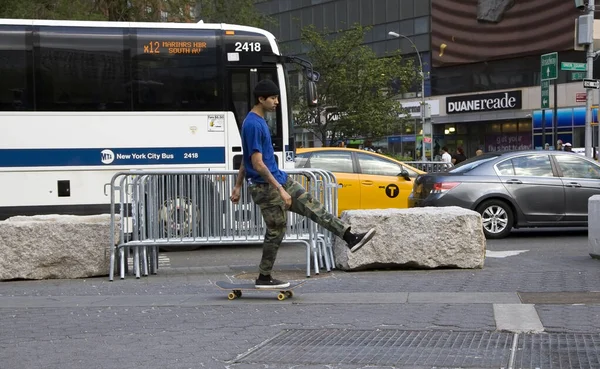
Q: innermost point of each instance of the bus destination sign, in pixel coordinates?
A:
(174, 47)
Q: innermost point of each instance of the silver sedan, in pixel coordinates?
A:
(515, 189)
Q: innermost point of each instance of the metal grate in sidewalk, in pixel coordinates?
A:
(447, 349)
(558, 351)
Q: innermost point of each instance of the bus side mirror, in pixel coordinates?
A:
(311, 94)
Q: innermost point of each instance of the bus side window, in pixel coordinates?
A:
(15, 55)
(176, 70)
(72, 73)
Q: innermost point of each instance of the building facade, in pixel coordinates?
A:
(410, 18)
(482, 63)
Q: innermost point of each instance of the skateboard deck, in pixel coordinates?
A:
(237, 288)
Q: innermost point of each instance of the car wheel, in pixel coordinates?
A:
(497, 218)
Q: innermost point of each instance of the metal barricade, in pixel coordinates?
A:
(430, 166)
(183, 208)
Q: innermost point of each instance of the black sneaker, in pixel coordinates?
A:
(356, 241)
(270, 283)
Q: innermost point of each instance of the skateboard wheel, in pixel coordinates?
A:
(281, 296)
(289, 294)
(238, 293)
(231, 296)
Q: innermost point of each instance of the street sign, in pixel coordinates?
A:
(549, 66)
(580, 97)
(573, 66)
(591, 83)
(545, 94)
(578, 76)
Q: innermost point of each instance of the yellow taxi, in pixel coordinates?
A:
(366, 180)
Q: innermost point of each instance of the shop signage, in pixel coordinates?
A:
(508, 142)
(484, 102)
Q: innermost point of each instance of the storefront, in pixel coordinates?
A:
(408, 141)
(490, 122)
(570, 126)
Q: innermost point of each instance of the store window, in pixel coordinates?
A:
(510, 127)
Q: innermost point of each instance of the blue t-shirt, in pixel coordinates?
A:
(257, 138)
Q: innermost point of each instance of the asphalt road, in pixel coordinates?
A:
(178, 319)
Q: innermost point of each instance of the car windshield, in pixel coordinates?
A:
(472, 163)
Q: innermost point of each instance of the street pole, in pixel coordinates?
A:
(555, 108)
(589, 92)
(422, 110)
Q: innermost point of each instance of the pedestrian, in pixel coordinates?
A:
(568, 147)
(459, 156)
(446, 158)
(274, 192)
(478, 152)
(559, 145)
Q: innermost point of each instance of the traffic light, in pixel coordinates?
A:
(579, 4)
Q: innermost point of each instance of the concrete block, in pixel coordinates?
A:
(54, 246)
(594, 226)
(421, 238)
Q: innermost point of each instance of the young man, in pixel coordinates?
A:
(274, 192)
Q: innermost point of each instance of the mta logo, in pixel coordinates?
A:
(107, 156)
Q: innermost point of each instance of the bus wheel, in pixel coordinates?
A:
(177, 221)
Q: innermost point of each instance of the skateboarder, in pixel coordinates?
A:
(274, 192)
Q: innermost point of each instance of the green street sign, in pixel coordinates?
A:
(573, 66)
(549, 66)
(578, 76)
(545, 94)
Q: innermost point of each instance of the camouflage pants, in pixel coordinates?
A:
(275, 216)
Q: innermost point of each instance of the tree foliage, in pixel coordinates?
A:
(356, 98)
(50, 9)
(147, 10)
(233, 12)
(219, 11)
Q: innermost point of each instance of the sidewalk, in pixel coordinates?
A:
(418, 319)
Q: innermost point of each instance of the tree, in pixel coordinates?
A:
(147, 10)
(357, 90)
(50, 9)
(218, 11)
(233, 12)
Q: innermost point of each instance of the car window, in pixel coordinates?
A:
(411, 173)
(472, 163)
(576, 167)
(370, 164)
(301, 159)
(506, 168)
(533, 166)
(333, 161)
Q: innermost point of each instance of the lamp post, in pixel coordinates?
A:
(422, 110)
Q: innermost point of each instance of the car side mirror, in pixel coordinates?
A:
(404, 174)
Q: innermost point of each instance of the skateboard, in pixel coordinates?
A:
(237, 288)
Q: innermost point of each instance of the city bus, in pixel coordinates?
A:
(82, 100)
